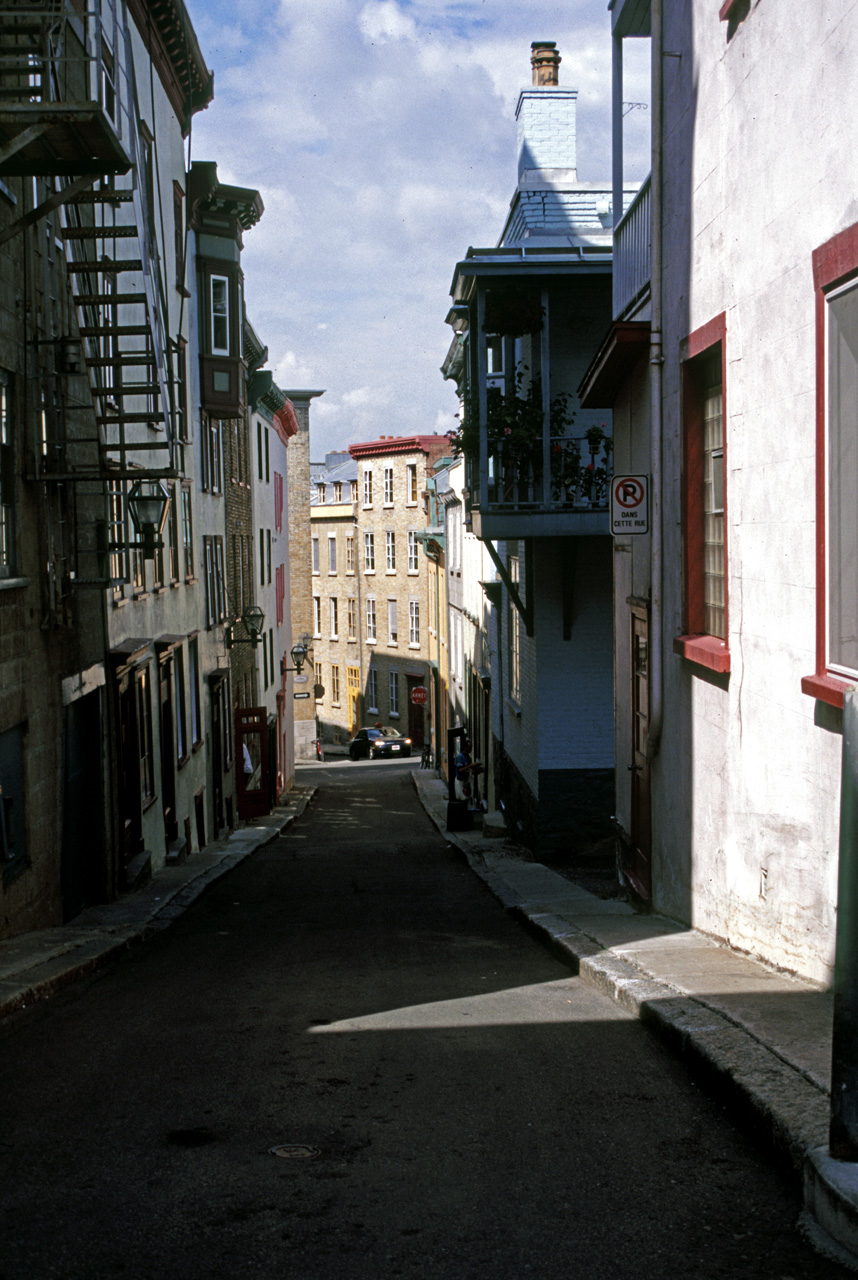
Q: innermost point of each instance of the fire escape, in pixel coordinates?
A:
(69, 117)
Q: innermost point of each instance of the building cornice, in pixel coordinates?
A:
(171, 42)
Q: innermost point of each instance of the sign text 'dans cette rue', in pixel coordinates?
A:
(629, 506)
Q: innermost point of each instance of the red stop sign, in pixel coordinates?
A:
(419, 695)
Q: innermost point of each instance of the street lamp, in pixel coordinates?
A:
(299, 653)
(148, 504)
(254, 621)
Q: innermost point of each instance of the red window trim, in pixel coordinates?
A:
(726, 9)
(834, 263)
(695, 645)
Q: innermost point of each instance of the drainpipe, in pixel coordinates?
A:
(656, 360)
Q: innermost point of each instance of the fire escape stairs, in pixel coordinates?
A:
(106, 223)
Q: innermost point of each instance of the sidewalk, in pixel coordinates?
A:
(760, 1037)
(35, 965)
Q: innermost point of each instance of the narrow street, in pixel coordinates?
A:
(353, 988)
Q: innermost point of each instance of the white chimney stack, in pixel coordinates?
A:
(546, 123)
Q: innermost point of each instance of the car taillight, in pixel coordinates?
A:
(408, 740)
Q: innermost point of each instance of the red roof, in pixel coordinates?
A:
(286, 422)
(401, 444)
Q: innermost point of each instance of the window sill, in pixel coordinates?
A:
(147, 804)
(197, 745)
(390, 573)
(705, 651)
(9, 584)
(513, 707)
(414, 646)
(826, 689)
(394, 715)
(183, 760)
(371, 640)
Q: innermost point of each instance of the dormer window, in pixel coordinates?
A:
(220, 315)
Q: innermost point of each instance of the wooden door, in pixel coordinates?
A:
(416, 715)
(252, 782)
(353, 694)
(639, 868)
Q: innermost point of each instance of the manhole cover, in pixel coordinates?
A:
(294, 1151)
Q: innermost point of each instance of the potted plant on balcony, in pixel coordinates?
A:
(514, 430)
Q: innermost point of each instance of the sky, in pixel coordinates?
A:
(381, 135)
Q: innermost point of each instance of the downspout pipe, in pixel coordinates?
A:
(656, 360)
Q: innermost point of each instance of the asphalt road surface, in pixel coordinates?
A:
(449, 1101)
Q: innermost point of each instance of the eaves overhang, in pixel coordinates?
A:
(626, 342)
(521, 263)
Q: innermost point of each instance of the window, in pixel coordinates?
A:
(704, 499)
(220, 315)
(173, 533)
(268, 555)
(353, 487)
(13, 826)
(144, 735)
(314, 542)
(118, 562)
(350, 555)
(338, 491)
(390, 550)
(179, 688)
(278, 502)
(322, 493)
(317, 676)
(280, 593)
(388, 486)
(834, 277)
(262, 557)
(412, 551)
(393, 692)
(182, 420)
(335, 630)
(351, 610)
(369, 552)
(194, 682)
(392, 629)
(317, 615)
(367, 487)
(414, 623)
(260, 464)
(411, 483)
(179, 234)
(214, 571)
(264, 664)
(372, 690)
(335, 685)
(332, 553)
(370, 620)
(514, 635)
(187, 532)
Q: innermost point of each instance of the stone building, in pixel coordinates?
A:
(273, 424)
(95, 416)
(380, 589)
(337, 655)
(298, 483)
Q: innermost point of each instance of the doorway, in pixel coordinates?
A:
(639, 860)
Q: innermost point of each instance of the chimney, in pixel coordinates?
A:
(546, 124)
(545, 61)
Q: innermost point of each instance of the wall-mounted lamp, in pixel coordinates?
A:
(254, 621)
(299, 653)
(148, 504)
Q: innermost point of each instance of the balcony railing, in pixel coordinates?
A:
(520, 499)
(632, 251)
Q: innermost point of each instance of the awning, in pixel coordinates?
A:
(610, 367)
(286, 422)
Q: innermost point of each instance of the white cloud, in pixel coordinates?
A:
(384, 20)
(382, 137)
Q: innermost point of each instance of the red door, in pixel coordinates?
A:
(416, 714)
(253, 791)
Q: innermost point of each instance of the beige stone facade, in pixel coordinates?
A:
(370, 592)
(301, 594)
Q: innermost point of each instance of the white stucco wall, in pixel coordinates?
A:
(759, 170)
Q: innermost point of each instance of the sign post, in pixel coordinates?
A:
(629, 505)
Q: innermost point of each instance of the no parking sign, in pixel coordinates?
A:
(629, 508)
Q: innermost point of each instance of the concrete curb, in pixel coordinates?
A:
(35, 966)
(774, 1099)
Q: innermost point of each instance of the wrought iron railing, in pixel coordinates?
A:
(578, 477)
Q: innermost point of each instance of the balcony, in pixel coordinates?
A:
(559, 486)
(632, 253)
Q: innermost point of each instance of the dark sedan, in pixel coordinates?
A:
(370, 744)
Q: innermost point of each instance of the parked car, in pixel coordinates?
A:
(378, 741)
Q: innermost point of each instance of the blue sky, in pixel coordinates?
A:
(381, 134)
